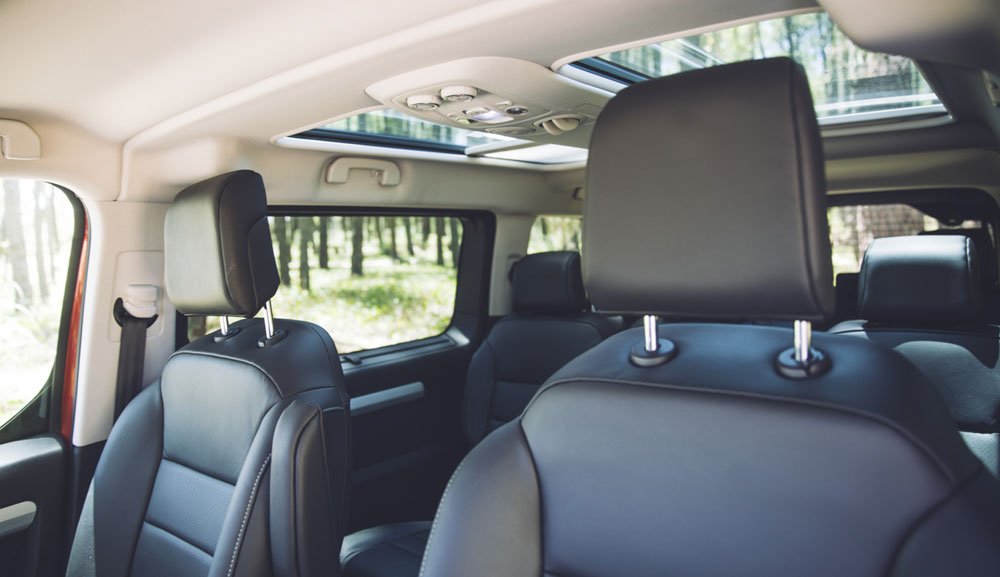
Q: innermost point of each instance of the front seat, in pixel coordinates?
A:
(551, 325)
(235, 463)
(714, 449)
(923, 297)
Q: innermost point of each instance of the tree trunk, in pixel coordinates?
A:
(425, 231)
(391, 229)
(439, 239)
(305, 239)
(377, 223)
(408, 232)
(323, 249)
(40, 269)
(284, 250)
(14, 235)
(357, 245)
(456, 243)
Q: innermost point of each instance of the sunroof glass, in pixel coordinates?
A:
(390, 123)
(845, 79)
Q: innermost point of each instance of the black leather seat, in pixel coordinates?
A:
(719, 452)
(551, 325)
(922, 296)
(235, 463)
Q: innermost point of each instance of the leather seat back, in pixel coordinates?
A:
(235, 463)
(550, 326)
(717, 459)
(922, 297)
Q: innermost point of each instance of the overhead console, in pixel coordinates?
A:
(502, 96)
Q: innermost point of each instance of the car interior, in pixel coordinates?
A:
(538, 288)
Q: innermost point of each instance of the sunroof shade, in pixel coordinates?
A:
(848, 83)
(409, 131)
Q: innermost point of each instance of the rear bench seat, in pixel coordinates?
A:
(551, 325)
(923, 297)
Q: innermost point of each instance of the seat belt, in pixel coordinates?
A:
(134, 314)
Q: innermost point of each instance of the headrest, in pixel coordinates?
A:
(706, 198)
(549, 283)
(218, 247)
(985, 249)
(920, 279)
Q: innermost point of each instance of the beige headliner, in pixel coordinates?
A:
(135, 99)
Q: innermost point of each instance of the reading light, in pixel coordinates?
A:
(423, 102)
(458, 93)
(486, 115)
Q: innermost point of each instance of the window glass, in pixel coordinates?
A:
(389, 122)
(550, 233)
(845, 79)
(853, 228)
(370, 281)
(36, 239)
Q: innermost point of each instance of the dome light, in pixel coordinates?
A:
(424, 102)
(459, 93)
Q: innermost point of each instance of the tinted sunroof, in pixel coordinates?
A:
(848, 83)
(397, 125)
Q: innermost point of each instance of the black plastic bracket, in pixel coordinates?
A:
(817, 364)
(276, 338)
(122, 315)
(665, 351)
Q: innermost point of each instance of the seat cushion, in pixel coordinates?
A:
(385, 551)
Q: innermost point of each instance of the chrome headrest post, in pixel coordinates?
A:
(224, 325)
(268, 321)
(653, 351)
(803, 341)
(802, 361)
(650, 333)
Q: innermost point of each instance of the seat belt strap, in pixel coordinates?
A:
(134, 314)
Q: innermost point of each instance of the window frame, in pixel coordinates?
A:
(472, 273)
(44, 412)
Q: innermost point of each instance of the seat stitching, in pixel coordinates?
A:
(434, 525)
(246, 514)
(176, 535)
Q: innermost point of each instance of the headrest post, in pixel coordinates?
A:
(268, 321)
(649, 328)
(803, 341)
(224, 325)
(802, 361)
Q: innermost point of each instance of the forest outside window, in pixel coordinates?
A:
(853, 228)
(551, 233)
(36, 241)
(370, 280)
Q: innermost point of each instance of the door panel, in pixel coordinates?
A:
(32, 495)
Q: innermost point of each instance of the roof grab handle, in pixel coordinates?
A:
(18, 141)
(386, 171)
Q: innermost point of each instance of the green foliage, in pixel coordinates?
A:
(549, 233)
(36, 240)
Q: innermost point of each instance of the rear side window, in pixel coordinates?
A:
(370, 280)
(853, 228)
(36, 245)
(549, 233)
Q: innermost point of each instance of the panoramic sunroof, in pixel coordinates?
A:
(848, 84)
(390, 128)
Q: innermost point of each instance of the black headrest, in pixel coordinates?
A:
(218, 247)
(920, 279)
(985, 249)
(706, 198)
(548, 283)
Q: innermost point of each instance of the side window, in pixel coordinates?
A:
(549, 233)
(853, 228)
(36, 254)
(370, 280)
